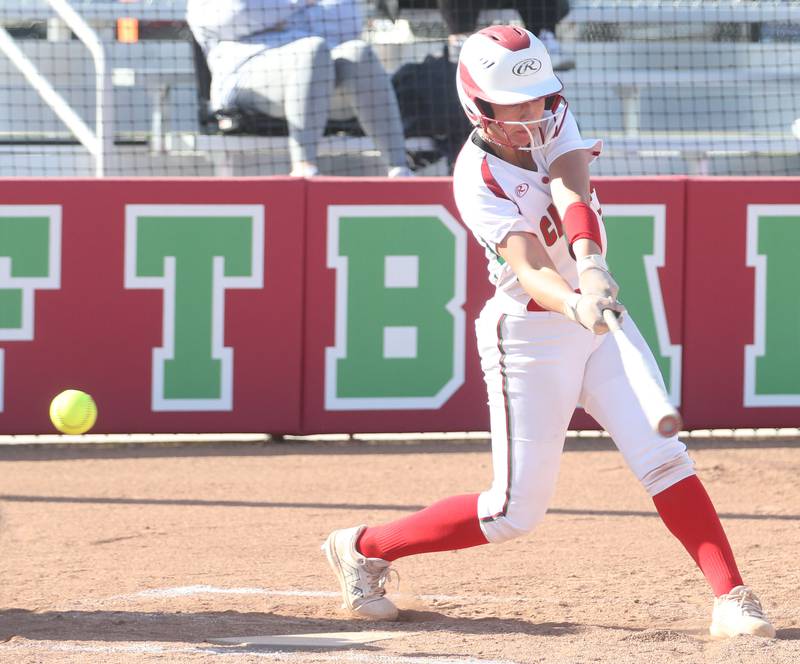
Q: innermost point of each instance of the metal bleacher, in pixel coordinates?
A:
(676, 86)
(153, 98)
(640, 66)
(119, 94)
(698, 85)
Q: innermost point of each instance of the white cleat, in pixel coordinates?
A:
(740, 612)
(361, 579)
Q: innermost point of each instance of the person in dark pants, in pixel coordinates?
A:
(461, 19)
(538, 16)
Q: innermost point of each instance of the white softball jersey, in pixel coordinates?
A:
(496, 198)
(539, 365)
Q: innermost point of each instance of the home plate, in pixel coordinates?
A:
(314, 640)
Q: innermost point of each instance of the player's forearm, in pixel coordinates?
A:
(546, 286)
(585, 247)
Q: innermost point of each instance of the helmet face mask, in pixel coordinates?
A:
(539, 132)
(505, 65)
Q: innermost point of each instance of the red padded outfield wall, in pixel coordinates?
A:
(283, 306)
(111, 286)
(742, 303)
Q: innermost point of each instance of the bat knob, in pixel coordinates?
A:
(670, 425)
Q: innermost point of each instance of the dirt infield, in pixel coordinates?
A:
(141, 554)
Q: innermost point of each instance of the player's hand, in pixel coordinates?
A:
(587, 310)
(596, 281)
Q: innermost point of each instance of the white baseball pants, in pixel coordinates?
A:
(538, 367)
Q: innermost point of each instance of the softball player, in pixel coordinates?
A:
(522, 187)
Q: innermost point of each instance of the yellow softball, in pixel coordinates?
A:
(73, 412)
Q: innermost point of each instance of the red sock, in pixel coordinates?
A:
(450, 524)
(689, 514)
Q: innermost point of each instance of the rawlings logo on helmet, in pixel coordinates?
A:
(527, 67)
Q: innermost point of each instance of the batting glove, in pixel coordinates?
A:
(594, 277)
(586, 309)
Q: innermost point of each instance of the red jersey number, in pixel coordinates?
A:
(550, 226)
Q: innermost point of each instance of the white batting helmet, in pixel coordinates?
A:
(505, 64)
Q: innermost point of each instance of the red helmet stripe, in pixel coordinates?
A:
(508, 36)
(470, 86)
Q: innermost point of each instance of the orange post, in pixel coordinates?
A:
(128, 30)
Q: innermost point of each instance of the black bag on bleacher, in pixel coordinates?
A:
(429, 106)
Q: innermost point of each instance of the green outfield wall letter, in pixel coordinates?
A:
(400, 288)
(772, 362)
(193, 253)
(636, 249)
(30, 260)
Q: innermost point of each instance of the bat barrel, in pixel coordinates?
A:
(662, 416)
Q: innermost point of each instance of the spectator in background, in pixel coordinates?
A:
(538, 16)
(302, 60)
(461, 19)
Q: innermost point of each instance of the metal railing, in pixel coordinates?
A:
(100, 141)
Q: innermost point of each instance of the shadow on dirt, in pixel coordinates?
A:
(266, 504)
(195, 628)
(80, 451)
(434, 621)
(138, 626)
